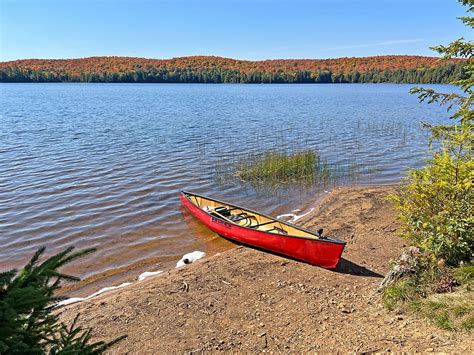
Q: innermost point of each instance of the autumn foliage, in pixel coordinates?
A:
(224, 70)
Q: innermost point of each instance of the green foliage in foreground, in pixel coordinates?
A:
(436, 206)
(27, 321)
(436, 203)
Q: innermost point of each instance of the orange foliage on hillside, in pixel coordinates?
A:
(127, 64)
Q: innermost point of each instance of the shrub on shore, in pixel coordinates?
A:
(436, 205)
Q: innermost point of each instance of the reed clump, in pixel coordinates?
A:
(273, 169)
(280, 167)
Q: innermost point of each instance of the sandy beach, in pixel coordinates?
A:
(248, 300)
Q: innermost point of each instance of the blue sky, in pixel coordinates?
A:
(244, 29)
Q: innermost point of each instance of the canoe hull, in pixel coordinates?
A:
(313, 251)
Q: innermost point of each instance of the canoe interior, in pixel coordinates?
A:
(246, 218)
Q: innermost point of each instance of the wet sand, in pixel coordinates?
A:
(248, 300)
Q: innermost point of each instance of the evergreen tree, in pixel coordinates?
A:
(28, 324)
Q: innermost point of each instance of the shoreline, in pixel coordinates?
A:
(130, 274)
(247, 300)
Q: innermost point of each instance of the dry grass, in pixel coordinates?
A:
(450, 310)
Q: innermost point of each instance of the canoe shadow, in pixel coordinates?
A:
(348, 267)
(343, 267)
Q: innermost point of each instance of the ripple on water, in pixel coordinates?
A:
(102, 165)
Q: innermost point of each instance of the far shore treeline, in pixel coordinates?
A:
(202, 69)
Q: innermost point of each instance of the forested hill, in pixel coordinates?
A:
(201, 69)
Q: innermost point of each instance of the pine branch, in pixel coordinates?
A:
(451, 99)
(27, 321)
(467, 20)
(457, 49)
(6, 277)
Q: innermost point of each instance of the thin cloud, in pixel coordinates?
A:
(378, 44)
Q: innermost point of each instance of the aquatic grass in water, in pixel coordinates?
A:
(273, 168)
(385, 129)
(278, 167)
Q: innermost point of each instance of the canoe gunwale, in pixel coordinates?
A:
(325, 240)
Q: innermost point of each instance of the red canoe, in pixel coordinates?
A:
(252, 228)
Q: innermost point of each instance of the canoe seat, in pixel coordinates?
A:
(278, 230)
(241, 216)
(262, 224)
(238, 217)
(223, 211)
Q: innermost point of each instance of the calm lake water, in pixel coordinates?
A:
(101, 164)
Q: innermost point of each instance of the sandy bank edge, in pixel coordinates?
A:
(247, 300)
